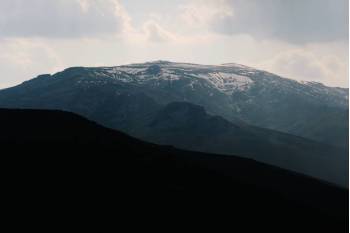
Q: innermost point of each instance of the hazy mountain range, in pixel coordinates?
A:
(226, 109)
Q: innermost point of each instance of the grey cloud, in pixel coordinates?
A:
(303, 65)
(296, 21)
(156, 33)
(58, 18)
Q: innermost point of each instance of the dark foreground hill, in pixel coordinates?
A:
(60, 168)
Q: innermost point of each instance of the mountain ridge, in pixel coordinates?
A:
(235, 92)
(188, 126)
(166, 62)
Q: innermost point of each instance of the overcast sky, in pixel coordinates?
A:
(298, 39)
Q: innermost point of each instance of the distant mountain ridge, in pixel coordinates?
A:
(236, 92)
(188, 126)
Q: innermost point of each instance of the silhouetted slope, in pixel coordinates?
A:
(188, 126)
(61, 164)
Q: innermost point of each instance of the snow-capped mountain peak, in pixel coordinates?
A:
(219, 77)
(235, 92)
(227, 79)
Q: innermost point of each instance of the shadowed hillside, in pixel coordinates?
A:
(60, 162)
(188, 126)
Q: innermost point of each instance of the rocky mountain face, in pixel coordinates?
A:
(120, 97)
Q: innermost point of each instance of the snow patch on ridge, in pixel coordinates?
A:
(131, 70)
(226, 82)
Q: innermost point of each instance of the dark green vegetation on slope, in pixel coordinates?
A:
(60, 164)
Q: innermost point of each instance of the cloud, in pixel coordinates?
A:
(61, 18)
(21, 59)
(204, 13)
(296, 21)
(155, 33)
(305, 65)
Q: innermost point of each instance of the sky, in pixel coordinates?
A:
(297, 39)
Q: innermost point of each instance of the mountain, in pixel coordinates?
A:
(147, 101)
(188, 126)
(121, 96)
(60, 164)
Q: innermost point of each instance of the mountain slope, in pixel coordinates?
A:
(235, 92)
(58, 163)
(188, 126)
